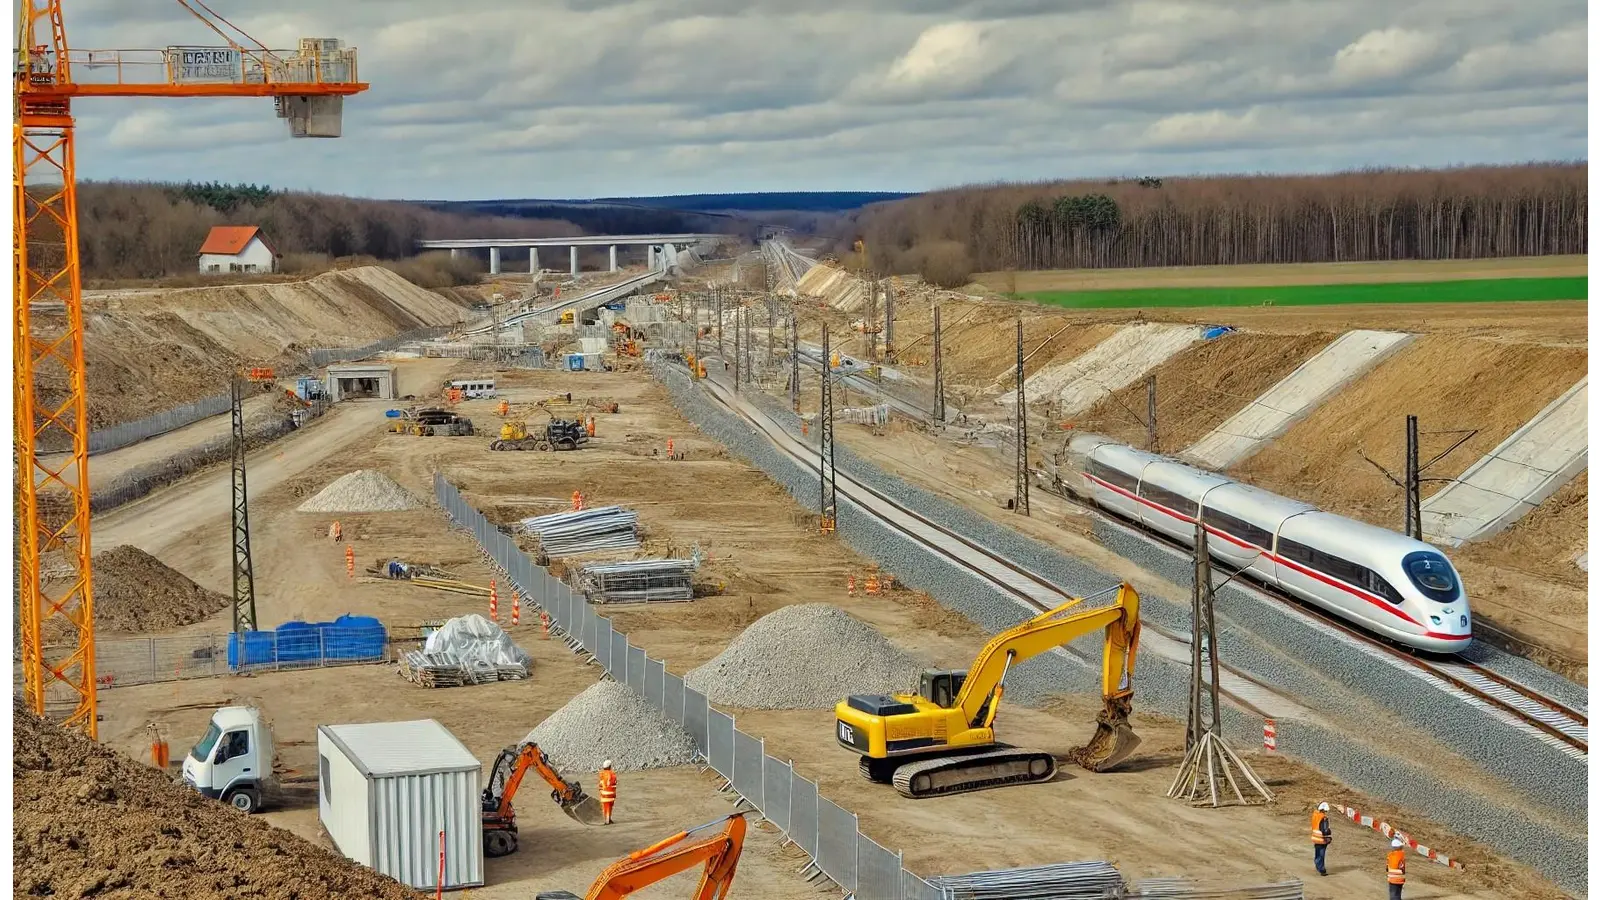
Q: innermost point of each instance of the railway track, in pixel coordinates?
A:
(1029, 590)
(1549, 720)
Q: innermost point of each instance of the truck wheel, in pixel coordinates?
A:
(245, 800)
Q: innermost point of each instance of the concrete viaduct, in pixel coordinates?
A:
(663, 248)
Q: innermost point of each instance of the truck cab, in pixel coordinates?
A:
(233, 760)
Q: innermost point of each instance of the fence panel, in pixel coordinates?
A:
(836, 843)
(877, 871)
(146, 660)
(619, 657)
(719, 734)
(695, 720)
(913, 887)
(655, 683)
(747, 764)
(775, 779)
(602, 644)
(803, 814)
(636, 660)
(591, 630)
(672, 699)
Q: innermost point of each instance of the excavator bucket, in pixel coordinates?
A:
(1113, 741)
(585, 810)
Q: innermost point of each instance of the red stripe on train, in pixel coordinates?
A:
(1355, 592)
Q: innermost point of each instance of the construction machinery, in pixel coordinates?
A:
(556, 434)
(718, 851)
(510, 767)
(941, 740)
(308, 87)
(430, 421)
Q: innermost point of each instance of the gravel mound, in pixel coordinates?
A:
(808, 656)
(90, 822)
(610, 721)
(135, 592)
(363, 490)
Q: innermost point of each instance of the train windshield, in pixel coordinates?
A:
(1432, 575)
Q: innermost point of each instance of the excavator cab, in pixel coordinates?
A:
(505, 776)
(941, 687)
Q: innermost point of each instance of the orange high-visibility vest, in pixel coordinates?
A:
(1397, 866)
(1318, 817)
(608, 786)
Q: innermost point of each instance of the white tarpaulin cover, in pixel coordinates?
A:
(472, 637)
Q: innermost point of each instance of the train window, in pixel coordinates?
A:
(1338, 567)
(1170, 499)
(1239, 528)
(1113, 476)
(1432, 575)
(1294, 550)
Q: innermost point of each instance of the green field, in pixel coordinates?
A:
(1488, 290)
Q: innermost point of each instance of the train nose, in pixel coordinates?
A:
(1452, 619)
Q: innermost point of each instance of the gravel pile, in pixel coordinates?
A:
(361, 491)
(808, 656)
(610, 721)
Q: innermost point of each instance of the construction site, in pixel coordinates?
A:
(753, 569)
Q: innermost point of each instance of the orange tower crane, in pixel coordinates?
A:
(56, 618)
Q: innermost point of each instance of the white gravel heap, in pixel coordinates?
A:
(610, 721)
(808, 656)
(361, 491)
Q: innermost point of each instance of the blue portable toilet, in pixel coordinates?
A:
(574, 362)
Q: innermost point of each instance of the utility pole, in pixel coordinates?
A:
(749, 344)
(938, 369)
(244, 579)
(736, 330)
(794, 360)
(718, 293)
(694, 370)
(888, 319)
(1206, 753)
(870, 326)
(829, 503)
(1413, 480)
(1151, 442)
(1020, 504)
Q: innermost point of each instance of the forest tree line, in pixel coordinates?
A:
(130, 230)
(1477, 212)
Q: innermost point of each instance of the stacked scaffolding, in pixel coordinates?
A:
(584, 530)
(639, 581)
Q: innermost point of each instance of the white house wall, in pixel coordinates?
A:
(256, 253)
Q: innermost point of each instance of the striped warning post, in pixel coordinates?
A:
(1390, 831)
(1269, 736)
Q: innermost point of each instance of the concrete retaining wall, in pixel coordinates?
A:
(1109, 366)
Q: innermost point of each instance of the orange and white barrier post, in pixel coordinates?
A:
(544, 623)
(669, 449)
(850, 586)
(577, 500)
(494, 602)
(1269, 736)
(350, 561)
(872, 582)
(516, 607)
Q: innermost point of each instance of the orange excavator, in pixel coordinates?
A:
(718, 851)
(500, 817)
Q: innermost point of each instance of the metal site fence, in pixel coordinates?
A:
(825, 831)
(128, 661)
(322, 356)
(116, 437)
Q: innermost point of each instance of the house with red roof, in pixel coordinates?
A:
(237, 248)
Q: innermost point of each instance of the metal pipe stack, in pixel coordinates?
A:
(644, 580)
(584, 530)
(1180, 889)
(1061, 881)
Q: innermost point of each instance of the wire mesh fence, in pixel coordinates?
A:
(126, 661)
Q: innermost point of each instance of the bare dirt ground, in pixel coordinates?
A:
(1301, 273)
(765, 552)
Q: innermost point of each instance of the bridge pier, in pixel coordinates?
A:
(494, 260)
(573, 254)
(454, 252)
(533, 260)
(613, 257)
(650, 257)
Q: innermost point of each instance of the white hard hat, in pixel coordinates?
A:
(1322, 806)
(1397, 843)
(606, 764)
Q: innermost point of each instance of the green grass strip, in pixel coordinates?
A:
(1487, 290)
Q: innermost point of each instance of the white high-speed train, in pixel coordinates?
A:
(1382, 581)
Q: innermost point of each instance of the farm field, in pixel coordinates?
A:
(1479, 290)
(1046, 280)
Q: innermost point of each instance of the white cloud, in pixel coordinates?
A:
(607, 97)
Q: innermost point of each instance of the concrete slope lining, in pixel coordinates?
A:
(1109, 366)
(1513, 478)
(1293, 398)
(836, 287)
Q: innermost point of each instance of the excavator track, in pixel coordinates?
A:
(944, 775)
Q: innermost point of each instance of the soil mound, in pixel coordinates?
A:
(807, 656)
(610, 721)
(90, 822)
(361, 491)
(135, 592)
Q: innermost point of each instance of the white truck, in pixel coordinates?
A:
(233, 761)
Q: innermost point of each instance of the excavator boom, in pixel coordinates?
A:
(941, 741)
(718, 852)
(505, 777)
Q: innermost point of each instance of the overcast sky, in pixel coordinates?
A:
(522, 98)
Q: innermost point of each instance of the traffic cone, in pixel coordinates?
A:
(516, 607)
(350, 561)
(494, 602)
(850, 586)
(872, 582)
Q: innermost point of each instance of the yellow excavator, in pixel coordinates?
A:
(718, 852)
(941, 740)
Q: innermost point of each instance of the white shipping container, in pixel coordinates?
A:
(385, 790)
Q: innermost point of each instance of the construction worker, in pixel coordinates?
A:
(336, 532)
(608, 790)
(1397, 868)
(1321, 837)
